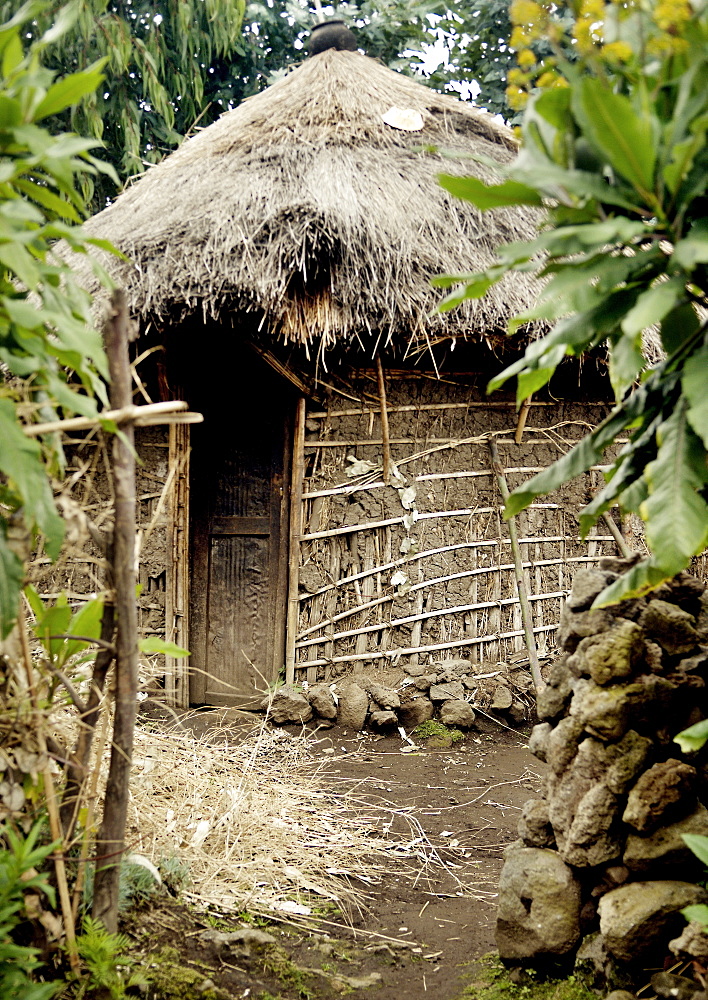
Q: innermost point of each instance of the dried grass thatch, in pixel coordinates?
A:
(302, 214)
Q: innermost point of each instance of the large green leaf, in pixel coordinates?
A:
(153, 644)
(624, 137)
(21, 462)
(651, 306)
(698, 844)
(11, 579)
(693, 381)
(69, 90)
(639, 580)
(676, 514)
(693, 738)
(87, 622)
(486, 196)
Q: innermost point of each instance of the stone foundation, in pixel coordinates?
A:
(601, 870)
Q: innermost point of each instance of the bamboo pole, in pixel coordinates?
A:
(408, 650)
(519, 573)
(386, 443)
(622, 547)
(296, 536)
(110, 842)
(137, 415)
(421, 616)
(416, 407)
(521, 422)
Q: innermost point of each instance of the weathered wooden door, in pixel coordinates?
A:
(239, 512)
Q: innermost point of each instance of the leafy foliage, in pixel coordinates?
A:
(109, 968)
(51, 351)
(616, 151)
(18, 876)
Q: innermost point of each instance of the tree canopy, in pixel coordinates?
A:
(176, 65)
(615, 149)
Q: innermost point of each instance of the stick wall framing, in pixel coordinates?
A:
(298, 475)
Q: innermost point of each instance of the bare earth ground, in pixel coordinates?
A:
(425, 922)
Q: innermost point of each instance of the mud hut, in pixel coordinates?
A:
(281, 260)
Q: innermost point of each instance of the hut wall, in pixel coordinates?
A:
(80, 571)
(423, 570)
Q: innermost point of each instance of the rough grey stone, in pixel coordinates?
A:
(502, 698)
(563, 742)
(593, 836)
(415, 710)
(692, 942)
(538, 741)
(539, 905)
(458, 667)
(534, 827)
(587, 584)
(672, 627)
(611, 655)
(287, 705)
(639, 919)
(577, 625)
(666, 845)
(457, 713)
(660, 795)
(606, 712)
(383, 720)
(447, 692)
(242, 943)
(553, 699)
(691, 663)
(628, 757)
(666, 984)
(599, 971)
(615, 564)
(353, 705)
(322, 701)
(425, 682)
(414, 669)
(383, 696)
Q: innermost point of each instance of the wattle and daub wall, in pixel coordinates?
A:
(415, 572)
(422, 569)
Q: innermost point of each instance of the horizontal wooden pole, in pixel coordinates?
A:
(347, 529)
(407, 651)
(397, 622)
(415, 408)
(126, 414)
(342, 614)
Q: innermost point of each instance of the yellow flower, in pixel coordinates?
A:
(520, 38)
(525, 12)
(516, 98)
(517, 77)
(594, 10)
(671, 15)
(617, 52)
(526, 59)
(547, 79)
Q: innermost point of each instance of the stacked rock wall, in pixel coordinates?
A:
(601, 868)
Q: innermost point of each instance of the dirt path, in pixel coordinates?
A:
(433, 912)
(465, 803)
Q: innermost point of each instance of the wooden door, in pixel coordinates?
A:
(239, 510)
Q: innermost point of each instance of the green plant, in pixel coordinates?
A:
(109, 967)
(432, 727)
(615, 155)
(19, 862)
(490, 981)
(689, 740)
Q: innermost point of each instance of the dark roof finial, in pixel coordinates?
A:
(332, 34)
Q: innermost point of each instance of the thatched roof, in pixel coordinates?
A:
(305, 216)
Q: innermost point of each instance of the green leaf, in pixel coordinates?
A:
(155, 645)
(54, 622)
(675, 513)
(12, 574)
(21, 462)
(86, 621)
(696, 913)
(70, 89)
(652, 306)
(626, 361)
(694, 248)
(693, 381)
(35, 601)
(693, 738)
(624, 137)
(47, 199)
(639, 580)
(486, 196)
(678, 327)
(697, 844)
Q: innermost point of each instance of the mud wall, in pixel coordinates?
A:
(422, 568)
(80, 570)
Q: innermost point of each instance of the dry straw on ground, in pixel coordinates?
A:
(260, 825)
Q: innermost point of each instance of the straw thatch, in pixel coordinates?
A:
(303, 215)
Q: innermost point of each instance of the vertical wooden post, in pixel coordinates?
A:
(526, 617)
(177, 596)
(385, 437)
(110, 842)
(298, 475)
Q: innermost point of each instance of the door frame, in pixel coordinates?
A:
(197, 554)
